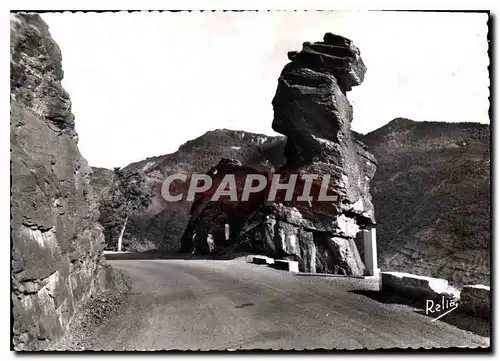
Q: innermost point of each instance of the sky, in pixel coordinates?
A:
(142, 84)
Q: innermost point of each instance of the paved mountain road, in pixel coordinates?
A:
(219, 305)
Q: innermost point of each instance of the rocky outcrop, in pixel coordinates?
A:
(311, 109)
(56, 242)
(213, 224)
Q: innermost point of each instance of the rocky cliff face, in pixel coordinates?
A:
(162, 225)
(311, 109)
(56, 242)
(432, 195)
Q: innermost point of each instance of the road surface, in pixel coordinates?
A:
(220, 305)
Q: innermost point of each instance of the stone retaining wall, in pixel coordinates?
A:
(472, 299)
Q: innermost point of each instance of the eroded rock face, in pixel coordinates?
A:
(311, 109)
(57, 244)
(317, 244)
(433, 183)
(214, 225)
(334, 55)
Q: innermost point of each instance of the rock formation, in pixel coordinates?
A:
(56, 242)
(311, 109)
(432, 193)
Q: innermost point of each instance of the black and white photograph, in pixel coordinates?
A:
(250, 180)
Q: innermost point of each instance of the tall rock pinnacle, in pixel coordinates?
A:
(312, 110)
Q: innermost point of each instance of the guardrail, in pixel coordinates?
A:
(471, 299)
(476, 300)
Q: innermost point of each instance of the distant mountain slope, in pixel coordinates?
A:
(432, 198)
(200, 154)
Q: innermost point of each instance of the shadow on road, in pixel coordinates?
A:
(456, 318)
(391, 298)
(155, 254)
